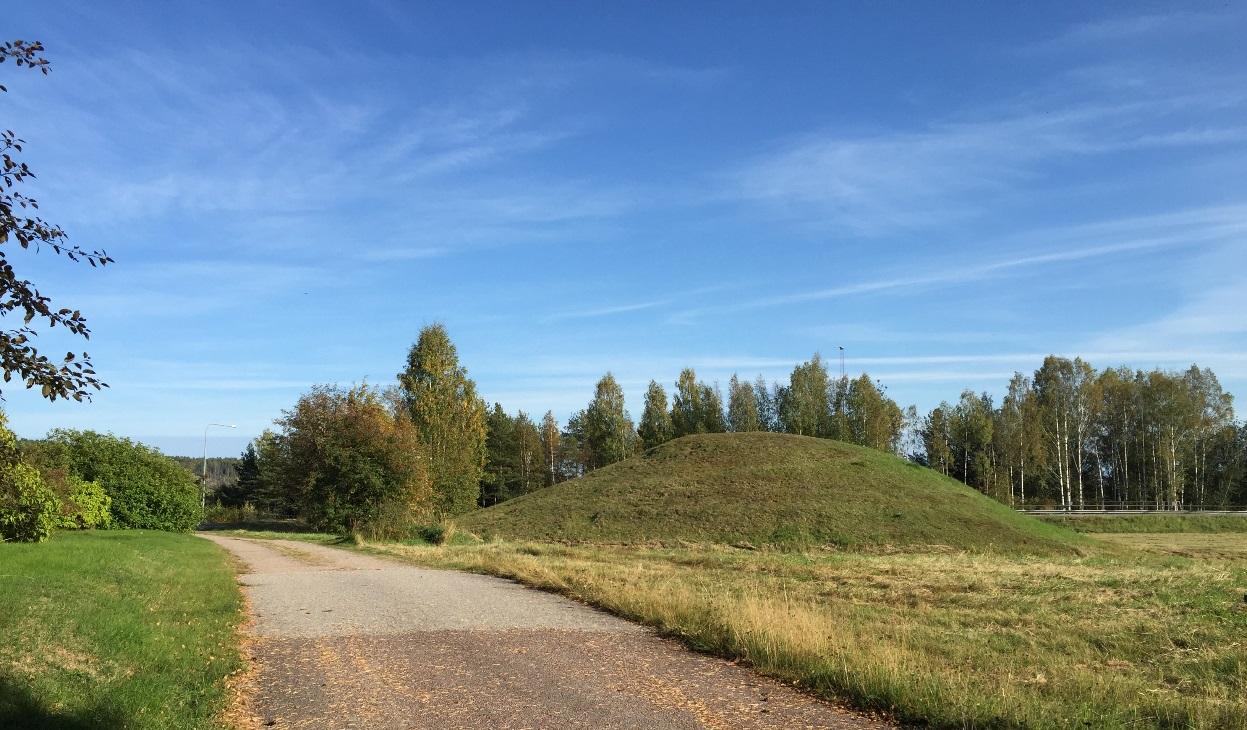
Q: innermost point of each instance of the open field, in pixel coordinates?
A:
(119, 629)
(1151, 523)
(1200, 545)
(955, 639)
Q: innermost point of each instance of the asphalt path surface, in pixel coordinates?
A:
(345, 640)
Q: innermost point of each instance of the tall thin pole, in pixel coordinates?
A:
(842, 362)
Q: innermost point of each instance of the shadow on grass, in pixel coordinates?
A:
(259, 526)
(19, 708)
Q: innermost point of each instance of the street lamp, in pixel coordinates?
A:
(203, 484)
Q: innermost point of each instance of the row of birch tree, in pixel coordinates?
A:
(1074, 437)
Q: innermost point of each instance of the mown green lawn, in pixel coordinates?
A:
(117, 629)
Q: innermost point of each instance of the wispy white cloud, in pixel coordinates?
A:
(962, 166)
(1208, 315)
(1174, 230)
(879, 183)
(596, 312)
(1133, 27)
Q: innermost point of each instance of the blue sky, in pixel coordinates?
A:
(950, 191)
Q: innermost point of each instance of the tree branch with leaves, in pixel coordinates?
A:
(73, 376)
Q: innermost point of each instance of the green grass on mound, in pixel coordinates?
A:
(117, 629)
(767, 489)
(1152, 523)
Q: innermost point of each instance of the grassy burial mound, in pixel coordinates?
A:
(769, 489)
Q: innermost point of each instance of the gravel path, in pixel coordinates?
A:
(344, 640)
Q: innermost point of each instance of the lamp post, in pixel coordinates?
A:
(203, 484)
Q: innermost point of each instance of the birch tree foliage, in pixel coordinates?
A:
(806, 409)
(742, 407)
(73, 375)
(550, 442)
(655, 425)
(686, 405)
(1074, 437)
(609, 432)
(450, 418)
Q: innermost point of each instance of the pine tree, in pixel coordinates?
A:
(247, 484)
(499, 478)
(655, 425)
(450, 418)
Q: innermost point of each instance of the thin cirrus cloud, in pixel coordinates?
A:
(594, 313)
(1179, 229)
(873, 184)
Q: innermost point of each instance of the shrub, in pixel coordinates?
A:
(224, 514)
(148, 490)
(439, 533)
(348, 462)
(86, 506)
(28, 508)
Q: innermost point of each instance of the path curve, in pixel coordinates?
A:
(345, 640)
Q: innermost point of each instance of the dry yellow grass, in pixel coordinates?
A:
(1128, 639)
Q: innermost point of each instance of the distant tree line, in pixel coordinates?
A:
(427, 447)
(1070, 436)
(222, 470)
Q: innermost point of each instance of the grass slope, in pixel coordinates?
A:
(768, 489)
(119, 629)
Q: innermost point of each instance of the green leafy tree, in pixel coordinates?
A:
(937, 440)
(575, 459)
(655, 425)
(353, 464)
(609, 433)
(73, 376)
(768, 398)
(528, 446)
(686, 405)
(970, 426)
(872, 418)
(712, 418)
(742, 407)
(449, 417)
(551, 440)
(806, 408)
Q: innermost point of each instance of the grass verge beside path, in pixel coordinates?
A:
(954, 640)
(117, 629)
